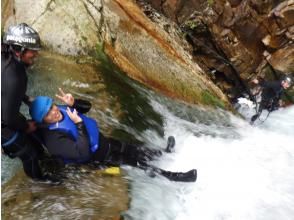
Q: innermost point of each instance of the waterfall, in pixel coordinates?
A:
(244, 172)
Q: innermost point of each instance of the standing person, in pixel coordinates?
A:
(20, 47)
(75, 138)
(271, 94)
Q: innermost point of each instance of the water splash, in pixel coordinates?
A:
(244, 172)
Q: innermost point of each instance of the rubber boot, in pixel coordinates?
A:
(189, 176)
(254, 117)
(170, 144)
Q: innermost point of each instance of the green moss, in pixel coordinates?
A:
(210, 2)
(84, 38)
(99, 53)
(191, 24)
(289, 96)
(209, 99)
(268, 73)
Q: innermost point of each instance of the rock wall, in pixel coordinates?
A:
(235, 40)
(141, 48)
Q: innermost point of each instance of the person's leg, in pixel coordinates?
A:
(108, 152)
(31, 158)
(140, 154)
(152, 171)
(273, 105)
(114, 152)
(134, 155)
(262, 106)
(31, 167)
(170, 144)
(29, 153)
(254, 117)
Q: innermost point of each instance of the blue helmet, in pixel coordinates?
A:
(40, 107)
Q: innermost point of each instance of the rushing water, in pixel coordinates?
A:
(244, 172)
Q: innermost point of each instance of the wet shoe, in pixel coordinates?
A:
(189, 176)
(170, 144)
(254, 117)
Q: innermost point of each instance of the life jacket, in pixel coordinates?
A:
(69, 127)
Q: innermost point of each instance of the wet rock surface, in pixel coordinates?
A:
(234, 41)
(145, 51)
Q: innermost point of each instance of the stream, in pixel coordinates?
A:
(244, 172)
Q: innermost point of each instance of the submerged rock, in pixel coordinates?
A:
(82, 195)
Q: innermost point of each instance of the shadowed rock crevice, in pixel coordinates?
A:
(50, 6)
(235, 39)
(93, 10)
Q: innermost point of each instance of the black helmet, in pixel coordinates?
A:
(22, 35)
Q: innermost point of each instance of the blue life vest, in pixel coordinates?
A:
(69, 127)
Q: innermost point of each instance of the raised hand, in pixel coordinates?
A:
(73, 115)
(66, 98)
(255, 81)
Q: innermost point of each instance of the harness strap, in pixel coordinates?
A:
(11, 140)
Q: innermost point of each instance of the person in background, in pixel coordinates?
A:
(20, 47)
(75, 138)
(271, 94)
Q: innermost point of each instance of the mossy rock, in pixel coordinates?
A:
(210, 2)
(209, 99)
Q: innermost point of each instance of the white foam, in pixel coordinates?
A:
(245, 176)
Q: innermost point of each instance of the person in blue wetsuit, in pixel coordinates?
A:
(75, 138)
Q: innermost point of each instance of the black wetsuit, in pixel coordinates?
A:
(270, 96)
(13, 93)
(272, 92)
(110, 151)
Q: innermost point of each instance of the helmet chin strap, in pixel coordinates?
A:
(16, 54)
(22, 52)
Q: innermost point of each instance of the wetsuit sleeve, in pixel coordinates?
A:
(62, 145)
(11, 101)
(272, 85)
(275, 87)
(82, 106)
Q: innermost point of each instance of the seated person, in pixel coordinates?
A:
(75, 138)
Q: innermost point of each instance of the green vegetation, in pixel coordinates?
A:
(191, 24)
(268, 73)
(289, 96)
(99, 53)
(209, 99)
(84, 38)
(118, 85)
(210, 2)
